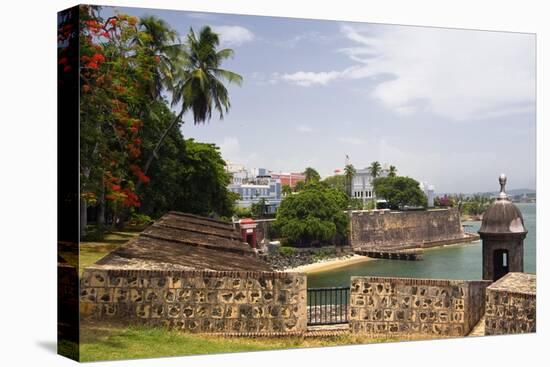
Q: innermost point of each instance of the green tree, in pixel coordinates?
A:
(313, 216)
(392, 171)
(190, 177)
(286, 190)
(349, 173)
(198, 82)
(356, 203)
(400, 191)
(311, 175)
(258, 210)
(374, 169)
(299, 186)
(336, 182)
(160, 42)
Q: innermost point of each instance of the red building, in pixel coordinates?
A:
(248, 231)
(290, 179)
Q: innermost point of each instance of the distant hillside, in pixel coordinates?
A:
(513, 192)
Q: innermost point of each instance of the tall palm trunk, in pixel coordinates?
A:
(160, 141)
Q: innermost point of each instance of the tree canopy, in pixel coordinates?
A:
(132, 156)
(312, 175)
(314, 215)
(400, 191)
(349, 172)
(336, 182)
(374, 169)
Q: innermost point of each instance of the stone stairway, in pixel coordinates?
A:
(479, 329)
(327, 330)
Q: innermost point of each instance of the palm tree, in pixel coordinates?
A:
(374, 169)
(349, 172)
(161, 43)
(198, 81)
(393, 171)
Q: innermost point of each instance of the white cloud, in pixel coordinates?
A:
(452, 73)
(306, 79)
(304, 129)
(230, 147)
(231, 151)
(231, 36)
(351, 140)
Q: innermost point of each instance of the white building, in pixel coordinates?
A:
(429, 191)
(255, 185)
(362, 185)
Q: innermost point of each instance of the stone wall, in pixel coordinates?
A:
(510, 306)
(394, 306)
(197, 301)
(379, 229)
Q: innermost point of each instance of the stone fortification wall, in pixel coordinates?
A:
(240, 302)
(388, 229)
(394, 306)
(510, 306)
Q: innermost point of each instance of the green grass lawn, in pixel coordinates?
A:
(102, 341)
(91, 251)
(112, 342)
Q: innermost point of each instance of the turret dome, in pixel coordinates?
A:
(503, 216)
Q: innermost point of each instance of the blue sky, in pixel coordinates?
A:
(452, 107)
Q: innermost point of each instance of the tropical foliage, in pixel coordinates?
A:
(312, 216)
(349, 173)
(133, 158)
(400, 192)
(311, 175)
(469, 205)
(286, 190)
(336, 182)
(374, 169)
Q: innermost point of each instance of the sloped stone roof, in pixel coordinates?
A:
(184, 242)
(524, 283)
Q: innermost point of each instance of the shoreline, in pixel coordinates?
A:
(340, 262)
(330, 264)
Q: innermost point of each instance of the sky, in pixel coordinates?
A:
(451, 107)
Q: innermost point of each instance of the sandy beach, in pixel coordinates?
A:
(329, 264)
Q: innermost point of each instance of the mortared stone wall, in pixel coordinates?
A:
(389, 229)
(240, 302)
(398, 306)
(510, 306)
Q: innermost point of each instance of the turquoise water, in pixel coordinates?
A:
(453, 262)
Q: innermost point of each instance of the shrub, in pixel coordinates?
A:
(138, 219)
(287, 251)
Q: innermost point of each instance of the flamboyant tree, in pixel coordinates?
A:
(125, 66)
(115, 72)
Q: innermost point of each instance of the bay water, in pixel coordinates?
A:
(450, 262)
